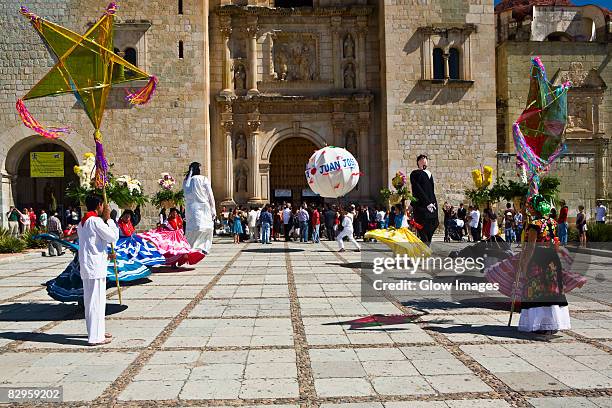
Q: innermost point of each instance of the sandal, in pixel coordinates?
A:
(106, 341)
(108, 336)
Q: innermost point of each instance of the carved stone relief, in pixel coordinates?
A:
(577, 119)
(295, 57)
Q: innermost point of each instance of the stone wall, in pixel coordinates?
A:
(453, 122)
(165, 135)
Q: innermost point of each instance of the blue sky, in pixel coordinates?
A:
(603, 3)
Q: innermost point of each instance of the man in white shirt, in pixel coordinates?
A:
(380, 218)
(286, 220)
(474, 220)
(95, 233)
(252, 222)
(600, 213)
(347, 231)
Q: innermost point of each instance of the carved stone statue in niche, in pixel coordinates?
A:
(294, 56)
(349, 46)
(577, 115)
(242, 174)
(239, 77)
(349, 76)
(351, 142)
(241, 146)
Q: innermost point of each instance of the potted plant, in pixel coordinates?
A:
(166, 197)
(126, 192)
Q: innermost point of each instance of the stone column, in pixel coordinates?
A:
(364, 150)
(337, 52)
(228, 160)
(264, 178)
(254, 159)
(226, 32)
(446, 70)
(361, 54)
(252, 57)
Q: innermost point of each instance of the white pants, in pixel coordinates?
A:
(201, 239)
(346, 233)
(94, 294)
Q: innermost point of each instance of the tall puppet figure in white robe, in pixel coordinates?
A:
(95, 232)
(199, 209)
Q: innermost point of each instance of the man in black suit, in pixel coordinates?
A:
(426, 205)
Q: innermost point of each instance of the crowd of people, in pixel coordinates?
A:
(460, 223)
(20, 222)
(310, 222)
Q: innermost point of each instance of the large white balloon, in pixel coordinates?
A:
(332, 172)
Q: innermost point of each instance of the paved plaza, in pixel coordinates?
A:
(255, 325)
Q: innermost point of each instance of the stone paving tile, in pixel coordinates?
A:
(73, 334)
(84, 376)
(218, 375)
(566, 402)
(257, 307)
(527, 381)
(481, 403)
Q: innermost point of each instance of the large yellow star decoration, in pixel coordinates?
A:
(87, 67)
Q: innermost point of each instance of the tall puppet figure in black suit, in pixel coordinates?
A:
(426, 205)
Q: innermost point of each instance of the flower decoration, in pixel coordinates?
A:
(86, 171)
(166, 181)
(132, 184)
(399, 180)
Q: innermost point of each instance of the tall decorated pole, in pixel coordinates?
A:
(538, 135)
(88, 68)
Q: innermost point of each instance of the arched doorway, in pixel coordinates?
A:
(42, 192)
(287, 165)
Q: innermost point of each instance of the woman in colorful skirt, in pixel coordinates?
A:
(544, 276)
(131, 246)
(236, 226)
(171, 242)
(68, 286)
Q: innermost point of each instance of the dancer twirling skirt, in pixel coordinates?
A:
(171, 242)
(68, 286)
(544, 275)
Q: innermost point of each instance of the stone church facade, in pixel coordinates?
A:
(250, 88)
(357, 74)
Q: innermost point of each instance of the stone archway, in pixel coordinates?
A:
(296, 132)
(38, 192)
(287, 162)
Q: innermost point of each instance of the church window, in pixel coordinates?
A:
(453, 64)
(180, 6)
(180, 49)
(130, 56)
(438, 63)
